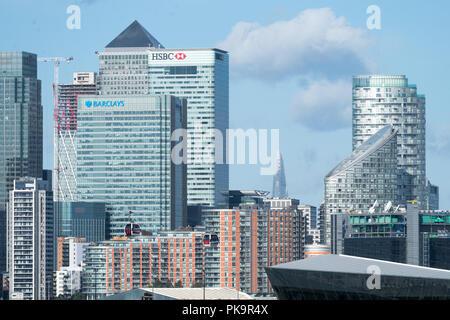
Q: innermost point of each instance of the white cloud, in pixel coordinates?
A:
(315, 42)
(440, 139)
(324, 105)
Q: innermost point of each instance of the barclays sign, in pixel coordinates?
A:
(104, 103)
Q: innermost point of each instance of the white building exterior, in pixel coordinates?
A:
(30, 239)
(68, 280)
(380, 100)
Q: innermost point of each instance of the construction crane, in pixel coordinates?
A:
(57, 62)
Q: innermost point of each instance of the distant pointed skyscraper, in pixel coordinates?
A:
(279, 180)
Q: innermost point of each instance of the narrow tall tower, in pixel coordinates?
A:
(20, 128)
(65, 143)
(30, 236)
(279, 180)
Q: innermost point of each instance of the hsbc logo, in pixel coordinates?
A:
(180, 56)
(168, 56)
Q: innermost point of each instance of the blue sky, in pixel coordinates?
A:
(280, 58)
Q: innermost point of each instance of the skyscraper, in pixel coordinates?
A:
(432, 196)
(279, 180)
(136, 63)
(21, 127)
(124, 159)
(379, 100)
(65, 143)
(30, 239)
(367, 177)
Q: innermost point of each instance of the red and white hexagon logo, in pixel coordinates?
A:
(180, 56)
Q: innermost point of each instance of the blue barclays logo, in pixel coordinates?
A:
(106, 103)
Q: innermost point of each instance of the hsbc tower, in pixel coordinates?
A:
(136, 63)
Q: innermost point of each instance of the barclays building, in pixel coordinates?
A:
(124, 160)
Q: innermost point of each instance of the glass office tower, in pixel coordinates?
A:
(81, 220)
(367, 176)
(21, 128)
(124, 160)
(136, 63)
(379, 100)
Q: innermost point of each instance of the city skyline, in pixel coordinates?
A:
(323, 143)
(119, 151)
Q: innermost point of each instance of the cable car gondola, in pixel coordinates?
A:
(132, 229)
(210, 239)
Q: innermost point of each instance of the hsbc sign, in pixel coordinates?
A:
(168, 56)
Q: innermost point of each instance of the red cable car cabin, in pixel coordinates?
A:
(210, 239)
(132, 229)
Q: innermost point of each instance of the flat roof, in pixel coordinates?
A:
(335, 263)
(197, 293)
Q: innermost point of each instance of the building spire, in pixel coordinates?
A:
(279, 180)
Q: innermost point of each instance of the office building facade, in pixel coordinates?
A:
(124, 159)
(81, 220)
(368, 176)
(30, 239)
(136, 63)
(405, 235)
(380, 100)
(65, 133)
(432, 196)
(21, 128)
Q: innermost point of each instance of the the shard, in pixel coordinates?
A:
(279, 180)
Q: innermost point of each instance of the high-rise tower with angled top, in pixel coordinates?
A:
(367, 177)
(380, 100)
(136, 63)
